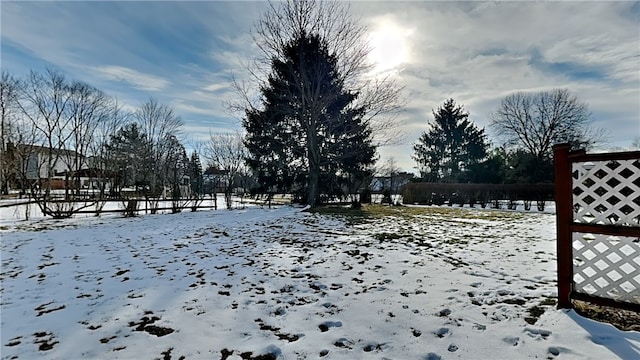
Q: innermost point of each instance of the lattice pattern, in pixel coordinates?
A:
(607, 266)
(607, 192)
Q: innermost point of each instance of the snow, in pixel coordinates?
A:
(430, 283)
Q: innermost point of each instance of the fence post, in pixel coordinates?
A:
(564, 218)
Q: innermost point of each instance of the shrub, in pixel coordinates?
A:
(438, 194)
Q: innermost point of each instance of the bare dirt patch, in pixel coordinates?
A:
(146, 324)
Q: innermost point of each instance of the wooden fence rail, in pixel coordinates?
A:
(60, 208)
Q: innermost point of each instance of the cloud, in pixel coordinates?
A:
(186, 54)
(480, 52)
(137, 79)
(217, 87)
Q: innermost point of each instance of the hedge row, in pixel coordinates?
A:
(481, 194)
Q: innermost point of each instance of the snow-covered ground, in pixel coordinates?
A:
(415, 283)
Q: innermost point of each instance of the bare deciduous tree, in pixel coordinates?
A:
(9, 127)
(56, 131)
(45, 102)
(226, 152)
(115, 118)
(537, 121)
(88, 108)
(57, 128)
(17, 131)
(56, 124)
(159, 122)
(390, 170)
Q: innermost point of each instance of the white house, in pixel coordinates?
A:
(31, 163)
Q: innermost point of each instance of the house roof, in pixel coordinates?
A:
(31, 148)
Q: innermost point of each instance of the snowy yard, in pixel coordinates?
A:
(400, 283)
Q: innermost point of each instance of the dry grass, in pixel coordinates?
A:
(453, 212)
(622, 319)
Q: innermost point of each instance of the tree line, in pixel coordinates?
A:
(455, 150)
(54, 129)
(311, 132)
(315, 126)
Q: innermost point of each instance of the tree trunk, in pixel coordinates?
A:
(227, 197)
(314, 176)
(314, 167)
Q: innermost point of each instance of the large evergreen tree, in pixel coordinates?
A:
(129, 153)
(451, 146)
(308, 137)
(195, 174)
(174, 164)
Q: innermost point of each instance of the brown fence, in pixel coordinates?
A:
(598, 227)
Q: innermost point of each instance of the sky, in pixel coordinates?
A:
(185, 54)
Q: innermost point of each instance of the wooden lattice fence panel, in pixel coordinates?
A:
(607, 192)
(598, 215)
(607, 266)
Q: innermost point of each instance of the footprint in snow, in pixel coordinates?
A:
(557, 350)
(325, 326)
(344, 343)
(480, 327)
(538, 333)
(442, 332)
(375, 347)
(512, 340)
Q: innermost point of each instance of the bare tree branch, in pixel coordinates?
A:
(226, 152)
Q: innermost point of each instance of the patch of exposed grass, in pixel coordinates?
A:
(534, 314)
(387, 236)
(339, 210)
(456, 241)
(375, 211)
(622, 319)
(550, 301)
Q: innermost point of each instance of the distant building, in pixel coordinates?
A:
(212, 180)
(392, 183)
(35, 164)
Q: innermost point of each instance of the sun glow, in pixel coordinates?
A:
(389, 46)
